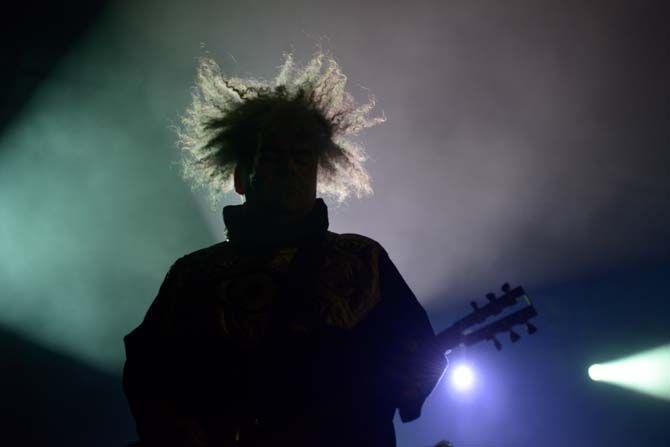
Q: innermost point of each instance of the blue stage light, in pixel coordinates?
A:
(462, 377)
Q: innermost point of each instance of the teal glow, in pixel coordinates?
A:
(647, 372)
(93, 210)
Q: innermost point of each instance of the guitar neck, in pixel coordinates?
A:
(460, 333)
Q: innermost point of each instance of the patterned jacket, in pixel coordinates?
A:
(296, 336)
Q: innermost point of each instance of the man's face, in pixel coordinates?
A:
(283, 174)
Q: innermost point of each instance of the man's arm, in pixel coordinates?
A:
(154, 370)
(415, 363)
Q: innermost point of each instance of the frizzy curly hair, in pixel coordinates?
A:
(229, 116)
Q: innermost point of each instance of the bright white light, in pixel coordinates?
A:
(462, 377)
(647, 372)
(595, 372)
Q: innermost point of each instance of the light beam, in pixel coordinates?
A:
(647, 372)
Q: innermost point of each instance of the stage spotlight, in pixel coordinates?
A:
(462, 377)
(596, 372)
(647, 372)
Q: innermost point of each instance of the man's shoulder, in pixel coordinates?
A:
(223, 254)
(214, 254)
(354, 242)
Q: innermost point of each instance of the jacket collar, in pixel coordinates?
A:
(243, 229)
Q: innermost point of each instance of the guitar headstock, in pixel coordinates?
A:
(466, 332)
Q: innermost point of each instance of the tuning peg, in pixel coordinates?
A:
(531, 328)
(505, 287)
(513, 336)
(490, 296)
(474, 305)
(496, 343)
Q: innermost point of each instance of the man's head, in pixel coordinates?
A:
(282, 175)
(279, 144)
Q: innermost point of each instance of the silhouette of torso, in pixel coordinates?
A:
(294, 336)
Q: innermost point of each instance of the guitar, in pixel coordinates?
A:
(465, 332)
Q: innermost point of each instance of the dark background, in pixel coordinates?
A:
(526, 142)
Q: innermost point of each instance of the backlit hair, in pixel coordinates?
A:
(229, 116)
